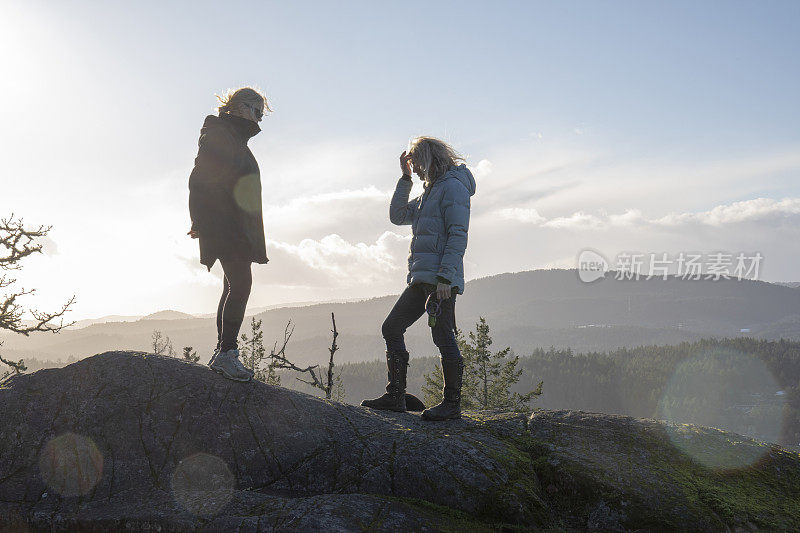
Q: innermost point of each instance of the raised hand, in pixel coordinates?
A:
(405, 163)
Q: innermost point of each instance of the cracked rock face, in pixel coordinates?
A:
(139, 442)
(153, 439)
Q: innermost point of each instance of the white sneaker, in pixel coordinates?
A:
(228, 364)
(239, 364)
(216, 353)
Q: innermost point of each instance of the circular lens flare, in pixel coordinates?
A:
(247, 193)
(71, 464)
(202, 484)
(728, 390)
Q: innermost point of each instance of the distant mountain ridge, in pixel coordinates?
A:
(525, 310)
(169, 314)
(178, 315)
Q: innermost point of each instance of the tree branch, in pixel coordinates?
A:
(280, 358)
(332, 350)
(18, 241)
(18, 367)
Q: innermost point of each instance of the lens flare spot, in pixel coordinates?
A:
(202, 484)
(71, 464)
(247, 193)
(728, 390)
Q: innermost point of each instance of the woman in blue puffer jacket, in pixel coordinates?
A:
(439, 220)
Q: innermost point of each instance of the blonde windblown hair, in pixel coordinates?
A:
(233, 98)
(433, 156)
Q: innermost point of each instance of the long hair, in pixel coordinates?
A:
(433, 156)
(233, 98)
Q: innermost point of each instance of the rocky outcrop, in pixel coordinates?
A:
(127, 440)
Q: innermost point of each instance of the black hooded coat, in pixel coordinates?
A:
(225, 193)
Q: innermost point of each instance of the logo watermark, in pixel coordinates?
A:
(591, 266)
(683, 265)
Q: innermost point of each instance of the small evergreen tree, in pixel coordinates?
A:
(432, 389)
(494, 374)
(253, 355)
(488, 377)
(339, 392)
(190, 355)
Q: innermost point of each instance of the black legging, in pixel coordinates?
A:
(232, 304)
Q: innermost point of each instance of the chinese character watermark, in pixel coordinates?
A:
(684, 265)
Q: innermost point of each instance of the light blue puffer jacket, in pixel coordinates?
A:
(439, 220)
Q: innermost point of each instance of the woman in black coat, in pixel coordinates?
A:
(225, 208)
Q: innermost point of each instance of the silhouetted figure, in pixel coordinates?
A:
(439, 220)
(225, 207)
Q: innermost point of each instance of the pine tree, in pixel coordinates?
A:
(269, 374)
(494, 374)
(432, 389)
(339, 392)
(253, 355)
(190, 355)
(488, 377)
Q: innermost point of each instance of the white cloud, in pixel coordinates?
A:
(631, 217)
(758, 210)
(49, 246)
(292, 169)
(343, 259)
(577, 220)
(482, 169)
(764, 210)
(333, 262)
(558, 179)
(356, 214)
(528, 216)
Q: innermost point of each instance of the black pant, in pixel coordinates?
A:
(232, 304)
(409, 307)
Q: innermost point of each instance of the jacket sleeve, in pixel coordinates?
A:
(207, 180)
(195, 208)
(401, 210)
(455, 211)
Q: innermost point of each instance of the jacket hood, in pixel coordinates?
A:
(241, 126)
(462, 174)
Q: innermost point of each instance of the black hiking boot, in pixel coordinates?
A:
(395, 397)
(450, 407)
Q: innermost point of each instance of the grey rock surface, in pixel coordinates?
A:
(139, 437)
(140, 442)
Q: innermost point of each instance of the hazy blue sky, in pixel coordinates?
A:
(639, 126)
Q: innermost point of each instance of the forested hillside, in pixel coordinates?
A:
(744, 385)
